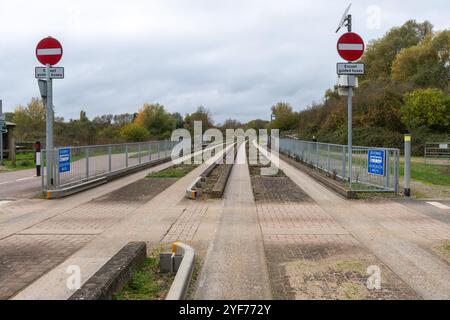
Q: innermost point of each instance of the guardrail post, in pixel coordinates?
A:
(126, 156)
(149, 152)
(317, 156)
(328, 159)
(388, 169)
(139, 150)
(159, 150)
(397, 169)
(109, 158)
(87, 163)
(57, 173)
(344, 163)
(42, 169)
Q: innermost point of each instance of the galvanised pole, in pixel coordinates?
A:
(49, 129)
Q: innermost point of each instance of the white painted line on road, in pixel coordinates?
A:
(23, 179)
(5, 182)
(439, 205)
(4, 202)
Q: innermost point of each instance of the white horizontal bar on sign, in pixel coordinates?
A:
(48, 52)
(351, 46)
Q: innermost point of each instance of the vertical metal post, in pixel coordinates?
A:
(317, 156)
(149, 152)
(126, 156)
(49, 128)
(159, 150)
(109, 158)
(139, 150)
(344, 163)
(42, 169)
(397, 168)
(350, 133)
(407, 165)
(328, 159)
(388, 169)
(87, 163)
(1, 134)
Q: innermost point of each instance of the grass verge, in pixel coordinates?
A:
(177, 171)
(428, 173)
(147, 283)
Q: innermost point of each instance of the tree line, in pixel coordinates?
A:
(405, 90)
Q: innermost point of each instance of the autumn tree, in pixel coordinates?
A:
(201, 114)
(381, 53)
(427, 108)
(133, 132)
(156, 120)
(285, 117)
(30, 121)
(425, 64)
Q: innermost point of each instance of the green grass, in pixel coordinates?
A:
(429, 173)
(178, 171)
(146, 283)
(23, 161)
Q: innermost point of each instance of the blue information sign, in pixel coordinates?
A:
(376, 162)
(64, 160)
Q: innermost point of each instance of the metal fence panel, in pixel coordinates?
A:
(92, 162)
(333, 160)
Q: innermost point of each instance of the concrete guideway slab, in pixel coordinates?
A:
(150, 222)
(235, 265)
(396, 234)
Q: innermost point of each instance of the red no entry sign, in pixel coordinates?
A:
(49, 51)
(350, 46)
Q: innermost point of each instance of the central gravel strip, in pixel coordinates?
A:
(235, 265)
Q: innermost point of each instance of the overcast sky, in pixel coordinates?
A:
(235, 57)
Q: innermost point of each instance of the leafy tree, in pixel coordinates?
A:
(427, 108)
(179, 121)
(231, 124)
(134, 133)
(257, 124)
(156, 120)
(381, 53)
(30, 121)
(285, 117)
(201, 114)
(425, 64)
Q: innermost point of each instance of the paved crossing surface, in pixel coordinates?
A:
(302, 247)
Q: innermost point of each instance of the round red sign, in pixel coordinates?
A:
(350, 46)
(49, 51)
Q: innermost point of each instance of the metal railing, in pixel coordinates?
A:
(333, 160)
(437, 153)
(88, 163)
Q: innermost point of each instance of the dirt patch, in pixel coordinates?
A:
(143, 190)
(205, 190)
(443, 250)
(277, 190)
(330, 272)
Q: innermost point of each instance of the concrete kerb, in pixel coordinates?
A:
(191, 191)
(180, 284)
(113, 276)
(64, 192)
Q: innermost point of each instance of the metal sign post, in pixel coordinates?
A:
(49, 52)
(350, 47)
(49, 128)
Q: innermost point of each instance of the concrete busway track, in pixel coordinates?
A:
(235, 266)
(165, 218)
(398, 235)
